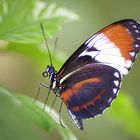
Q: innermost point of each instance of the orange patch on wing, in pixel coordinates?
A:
(91, 102)
(69, 92)
(85, 105)
(120, 36)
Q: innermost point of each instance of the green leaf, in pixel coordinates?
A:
(20, 20)
(25, 108)
(124, 111)
(13, 119)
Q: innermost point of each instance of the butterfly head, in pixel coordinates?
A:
(49, 72)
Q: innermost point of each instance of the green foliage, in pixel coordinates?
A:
(18, 113)
(21, 28)
(21, 33)
(20, 20)
(13, 119)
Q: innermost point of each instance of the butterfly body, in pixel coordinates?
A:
(89, 80)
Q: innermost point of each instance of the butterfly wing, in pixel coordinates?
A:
(116, 45)
(91, 77)
(89, 91)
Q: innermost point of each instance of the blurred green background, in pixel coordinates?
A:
(23, 58)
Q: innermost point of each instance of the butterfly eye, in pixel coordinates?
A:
(45, 74)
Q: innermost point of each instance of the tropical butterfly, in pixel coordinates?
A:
(89, 80)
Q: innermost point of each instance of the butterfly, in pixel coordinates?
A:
(90, 79)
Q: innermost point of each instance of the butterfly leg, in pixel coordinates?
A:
(60, 115)
(38, 92)
(45, 86)
(53, 103)
(47, 98)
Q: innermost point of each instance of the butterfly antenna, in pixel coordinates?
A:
(41, 25)
(55, 45)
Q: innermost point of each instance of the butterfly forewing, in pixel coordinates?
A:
(116, 45)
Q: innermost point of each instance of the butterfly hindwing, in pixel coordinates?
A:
(90, 90)
(78, 121)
